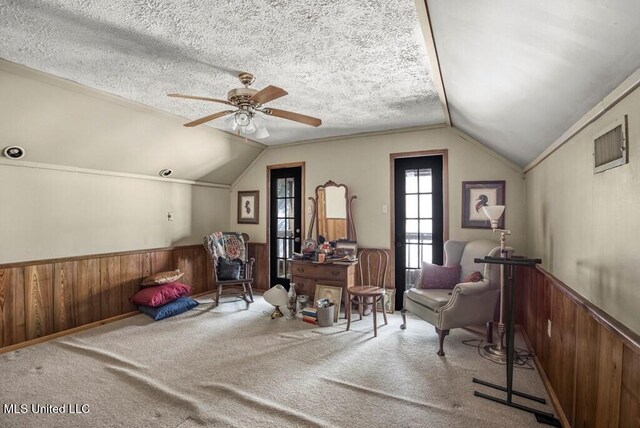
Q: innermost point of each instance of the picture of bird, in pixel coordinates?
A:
(481, 202)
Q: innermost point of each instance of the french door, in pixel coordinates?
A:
(419, 214)
(285, 221)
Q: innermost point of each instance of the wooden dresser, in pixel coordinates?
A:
(307, 275)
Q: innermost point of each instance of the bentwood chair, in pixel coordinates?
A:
(373, 265)
(231, 265)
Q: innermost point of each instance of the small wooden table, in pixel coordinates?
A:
(306, 275)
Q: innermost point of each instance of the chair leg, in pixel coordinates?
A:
(384, 311)
(403, 312)
(360, 306)
(347, 311)
(441, 335)
(375, 321)
(490, 332)
(250, 292)
(218, 295)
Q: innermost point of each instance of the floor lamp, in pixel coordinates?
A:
(498, 352)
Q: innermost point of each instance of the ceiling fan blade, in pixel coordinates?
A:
(267, 94)
(296, 117)
(193, 97)
(208, 118)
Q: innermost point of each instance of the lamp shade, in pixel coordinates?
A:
(277, 296)
(493, 212)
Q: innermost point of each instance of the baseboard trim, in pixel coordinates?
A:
(545, 380)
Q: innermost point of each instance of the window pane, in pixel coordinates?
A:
(289, 207)
(424, 181)
(426, 231)
(411, 206)
(290, 184)
(411, 181)
(281, 205)
(426, 208)
(289, 228)
(426, 254)
(411, 275)
(281, 248)
(281, 268)
(281, 187)
(411, 231)
(282, 228)
(413, 260)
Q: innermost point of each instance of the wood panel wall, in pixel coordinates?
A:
(50, 296)
(591, 361)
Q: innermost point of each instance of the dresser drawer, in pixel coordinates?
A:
(317, 271)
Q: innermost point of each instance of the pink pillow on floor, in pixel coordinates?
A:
(435, 276)
(160, 294)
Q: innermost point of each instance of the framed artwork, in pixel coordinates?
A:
(248, 206)
(477, 194)
(388, 301)
(334, 294)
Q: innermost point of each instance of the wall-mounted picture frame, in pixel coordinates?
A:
(249, 206)
(389, 302)
(475, 195)
(334, 294)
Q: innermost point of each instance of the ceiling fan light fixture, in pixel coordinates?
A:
(262, 132)
(242, 118)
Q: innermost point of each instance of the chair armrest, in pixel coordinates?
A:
(473, 288)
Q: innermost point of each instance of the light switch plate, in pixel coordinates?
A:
(385, 209)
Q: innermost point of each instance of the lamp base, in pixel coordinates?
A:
(277, 313)
(496, 353)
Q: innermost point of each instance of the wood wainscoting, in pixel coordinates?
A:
(45, 297)
(591, 361)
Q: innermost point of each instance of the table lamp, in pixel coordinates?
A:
(276, 296)
(498, 352)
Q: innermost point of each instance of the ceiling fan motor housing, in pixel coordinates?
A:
(240, 96)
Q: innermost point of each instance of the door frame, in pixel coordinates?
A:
(445, 197)
(268, 205)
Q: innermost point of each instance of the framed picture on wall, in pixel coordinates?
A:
(248, 206)
(477, 194)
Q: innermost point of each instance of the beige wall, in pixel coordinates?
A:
(49, 214)
(363, 164)
(586, 227)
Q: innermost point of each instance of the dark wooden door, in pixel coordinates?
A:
(419, 217)
(285, 204)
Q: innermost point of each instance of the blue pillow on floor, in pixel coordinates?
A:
(176, 307)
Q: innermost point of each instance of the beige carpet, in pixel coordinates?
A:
(228, 366)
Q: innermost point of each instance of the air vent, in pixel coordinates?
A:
(610, 146)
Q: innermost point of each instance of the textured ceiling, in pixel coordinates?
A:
(518, 74)
(358, 65)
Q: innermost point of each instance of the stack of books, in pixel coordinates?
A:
(310, 315)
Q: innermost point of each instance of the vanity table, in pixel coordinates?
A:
(332, 219)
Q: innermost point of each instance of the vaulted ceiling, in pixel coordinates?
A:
(516, 74)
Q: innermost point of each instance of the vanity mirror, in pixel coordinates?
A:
(331, 215)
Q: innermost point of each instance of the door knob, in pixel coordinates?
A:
(297, 239)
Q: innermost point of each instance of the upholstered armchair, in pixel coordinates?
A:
(468, 303)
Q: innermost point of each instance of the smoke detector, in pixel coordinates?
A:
(13, 152)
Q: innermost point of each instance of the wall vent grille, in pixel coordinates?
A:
(610, 146)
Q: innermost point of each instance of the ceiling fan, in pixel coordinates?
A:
(248, 102)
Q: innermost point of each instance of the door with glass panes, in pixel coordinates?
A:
(418, 217)
(285, 221)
